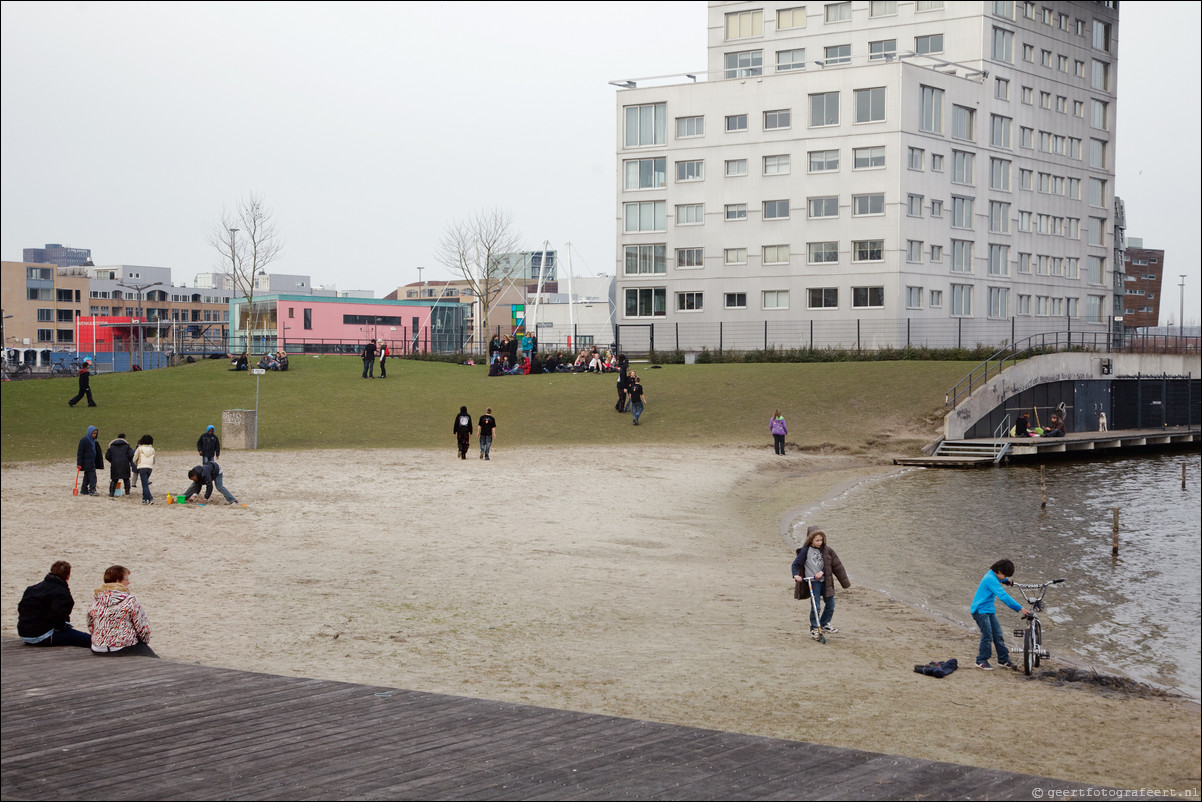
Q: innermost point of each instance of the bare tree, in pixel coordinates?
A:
(247, 241)
(473, 249)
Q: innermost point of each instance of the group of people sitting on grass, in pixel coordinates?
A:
(276, 361)
(589, 360)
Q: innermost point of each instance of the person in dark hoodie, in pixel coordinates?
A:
(206, 476)
(85, 385)
(462, 431)
(89, 459)
(120, 457)
(817, 559)
(44, 612)
(208, 446)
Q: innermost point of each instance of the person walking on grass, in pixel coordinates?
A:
(984, 613)
(487, 426)
(638, 397)
(85, 385)
(818, 560)
(778, 428)
(463, 431)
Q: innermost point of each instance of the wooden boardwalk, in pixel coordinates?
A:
(76, 726)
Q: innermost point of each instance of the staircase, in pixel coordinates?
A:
(982, 450)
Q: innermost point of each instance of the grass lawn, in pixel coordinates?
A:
(321, 402)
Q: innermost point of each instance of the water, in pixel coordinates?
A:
(927, 536)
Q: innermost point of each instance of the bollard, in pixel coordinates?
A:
(1114, 534)
(1043, 490)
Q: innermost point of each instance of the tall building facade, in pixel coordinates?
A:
(901, 166)
(55, 254)
(1143, 280)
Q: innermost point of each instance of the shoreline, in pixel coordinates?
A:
(640, 581)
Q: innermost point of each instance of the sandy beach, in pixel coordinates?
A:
(647, 582)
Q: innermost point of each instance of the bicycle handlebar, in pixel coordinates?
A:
(1037, 587)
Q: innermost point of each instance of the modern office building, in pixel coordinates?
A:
(876, 173)
(57, 255)
(1143, 279)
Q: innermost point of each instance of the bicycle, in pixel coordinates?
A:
(63, 369)
(1032, 634)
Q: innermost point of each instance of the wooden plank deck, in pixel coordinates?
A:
(79, 727)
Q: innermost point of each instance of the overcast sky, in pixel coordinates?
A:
(369, 128)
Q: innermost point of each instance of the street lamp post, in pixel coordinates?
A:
(1181, 309)
(421, 292)
(140, 288)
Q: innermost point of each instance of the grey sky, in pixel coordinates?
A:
(368, 128)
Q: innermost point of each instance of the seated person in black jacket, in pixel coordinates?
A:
(44, 610)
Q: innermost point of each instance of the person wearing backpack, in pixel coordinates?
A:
(463, 431)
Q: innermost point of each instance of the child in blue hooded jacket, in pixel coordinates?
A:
(984, 613)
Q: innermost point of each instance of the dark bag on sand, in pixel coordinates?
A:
(801, 590)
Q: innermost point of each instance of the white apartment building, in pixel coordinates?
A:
(877, 173)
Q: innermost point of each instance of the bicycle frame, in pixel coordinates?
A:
(1032, 635)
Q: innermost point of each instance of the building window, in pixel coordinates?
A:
(689, 301)
(776, 210)
(1026, 137)
(790, 60)
(736, 167)
(645, 173)
(823, 207)
(690, 214)
(928, 5)
(646, 125)
(689, 258)
(885, 49)
(822, 253)
(914, 205)
(1099, 77)
(838, 12)
(962, 213)
(914, 158)
(687, 127)
(824, 109)
(999, 301)
(1003, 45)
(645, 259)
(962, 300)
(1101, 35)
(999, 260)
(932, 43)
(736, 211)
(736, 300)
(746, 64)
(646, 302)
(776, 119)
(736, 122)
(735, 256)
(690, 171)
(822, 297)
(646, 216)
(937, 254)
(870, 105)
(1001, 89)
(914, 250)
(824, 161)
(961, 256)
(882, 8)
(914, 297)
(999, 174)
(837, 54)
(999, 131)
(936, 299)
(863, 205)
(1097, 192)
(1098, 115)
(776, 299)
(963, 122)
(868, 158)
(1097, 153)
(868, 250)
(931, 109)
(776, 254)
(791, 18)
(963, 167)
(776, 165)
(936, 208)
(867, 297)
(1097, 269)
(45, 315)
(745, 24)
(999, 217)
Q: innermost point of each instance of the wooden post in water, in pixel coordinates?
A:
(1183, 476)
(1114, 534)
(1043, 490)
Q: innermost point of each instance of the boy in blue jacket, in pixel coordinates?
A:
(985, 615)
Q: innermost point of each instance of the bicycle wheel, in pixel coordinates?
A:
(1038, 638)
(1028, 651)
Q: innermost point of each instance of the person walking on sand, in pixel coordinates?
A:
(779, 430)
(818, 560)
(208, 446)
(85, 385)
(985, 614)
(369, 360)
(118, 623)
(637, 397)
(89, 460)
(487, 426)
(45, 609)
(463, 431)
(120, 457)
(144, 464)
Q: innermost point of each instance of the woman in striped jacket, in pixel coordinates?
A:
(116, 620)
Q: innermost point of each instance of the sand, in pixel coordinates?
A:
(647, 582)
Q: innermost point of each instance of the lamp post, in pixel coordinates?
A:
(140, 288)
(421, 292)
(1181, 309)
